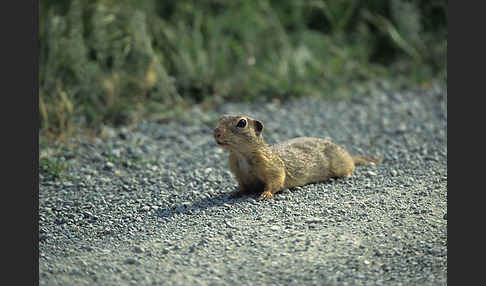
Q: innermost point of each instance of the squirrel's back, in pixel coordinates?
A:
(309, 160)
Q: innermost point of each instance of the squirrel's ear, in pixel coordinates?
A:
(258, 127)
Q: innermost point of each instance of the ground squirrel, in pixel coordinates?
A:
(259, 167)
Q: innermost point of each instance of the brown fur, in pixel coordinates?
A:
(258, 166)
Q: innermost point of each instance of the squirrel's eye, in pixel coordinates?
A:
(241, 123)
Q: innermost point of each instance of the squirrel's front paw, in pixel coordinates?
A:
(265, 196)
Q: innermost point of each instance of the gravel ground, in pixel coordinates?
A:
(149, 205)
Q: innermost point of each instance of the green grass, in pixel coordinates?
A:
(52, 167)
(115, 62)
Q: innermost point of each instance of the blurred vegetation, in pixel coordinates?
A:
(111, 62)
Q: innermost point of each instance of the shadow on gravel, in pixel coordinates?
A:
(200, 205)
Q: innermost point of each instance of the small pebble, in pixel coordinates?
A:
(138, 249)
(131, 260)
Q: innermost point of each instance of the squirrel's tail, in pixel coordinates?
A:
(363, 159)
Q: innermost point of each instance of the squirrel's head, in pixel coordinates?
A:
(237, 132)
